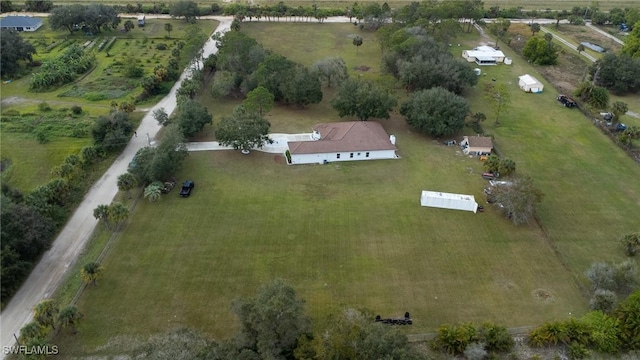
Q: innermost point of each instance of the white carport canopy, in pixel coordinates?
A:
(448, 201)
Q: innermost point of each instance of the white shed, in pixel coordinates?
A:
(530, 84)
(448, 201)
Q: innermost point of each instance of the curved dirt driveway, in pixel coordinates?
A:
(51, 269)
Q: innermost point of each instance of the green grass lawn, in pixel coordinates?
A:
(353, 234)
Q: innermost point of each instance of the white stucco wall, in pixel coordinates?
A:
(344, 156)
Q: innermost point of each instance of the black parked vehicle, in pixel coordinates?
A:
(187, 186)
(567, 101)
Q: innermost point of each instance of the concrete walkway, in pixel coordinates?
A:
(51, 269)
(279, 145)
(604, 33)
(567, 43)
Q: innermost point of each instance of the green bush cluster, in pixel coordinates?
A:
(62, 70)
(595, 330)
(454, 339)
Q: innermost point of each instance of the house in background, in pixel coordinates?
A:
(484, 55)
(476, 145)
(530, 84)
(344, 141)
(20, 23)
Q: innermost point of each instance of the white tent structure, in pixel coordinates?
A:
(530, 84)
(448, 201)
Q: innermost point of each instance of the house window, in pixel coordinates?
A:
(351, 155)
(358, 154)
(337, 156)
(366, 154)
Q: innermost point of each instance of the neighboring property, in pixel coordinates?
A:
(141, 19)
(484, 55)
(344, 141)
(476, 145)
(530, 84)
(448, 201)
(20, 23)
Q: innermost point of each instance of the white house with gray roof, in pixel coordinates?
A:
(20, 23)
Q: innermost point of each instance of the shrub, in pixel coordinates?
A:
(495, 337)
(578, 351)
(631, 243)
(628, 315)
(43, 106)
(454, 339)
(603, 300)
(161, 46)
(604, 331)
(76, 109)
(288, 155)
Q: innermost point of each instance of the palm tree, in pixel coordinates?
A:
(69, 317)
(357, 41)
(118, 212)
(31, 331)
(168, 27)
(90, 272)
(549, 38)
(153, 191)
(126, 182)
(102, 213)
(46, 313)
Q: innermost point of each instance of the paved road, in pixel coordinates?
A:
(51, 269)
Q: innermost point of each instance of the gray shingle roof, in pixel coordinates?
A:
(20, 21)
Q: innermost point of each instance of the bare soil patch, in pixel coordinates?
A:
(543, 295)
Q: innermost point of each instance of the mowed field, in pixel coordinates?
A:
(354, 235)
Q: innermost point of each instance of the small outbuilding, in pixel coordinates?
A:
(448, 201)
(530, 84)
(141, 20)
(344, 141)
(476, 145)
(20, 23)
(484, 55)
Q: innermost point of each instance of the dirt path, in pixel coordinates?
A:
(51, 269)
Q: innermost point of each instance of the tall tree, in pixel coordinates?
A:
(126, 182)
(618, 108)
(191, 117)
(272, 322)
(499, 98)
(243, 130)
(13, 49)
(331, 70)
(302, 88)
(118, 212)
(90, 272)
(535, 28)
(101, 212)
(168, 28)
(518, 201)
(540, 52)
(69, 317)
(499, 28)
(436, 111)
(128, 25)
(363, 99)
(46, 313)
(357, 42)
(187, 9)
(259, 100)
